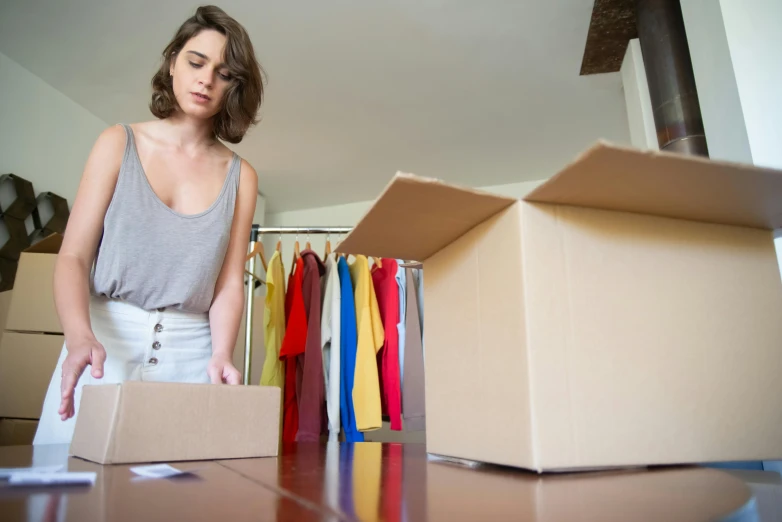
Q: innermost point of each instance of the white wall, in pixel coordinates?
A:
(735, 48)
(45, 136)
(637, 100)
(718, 93)
(755, 42)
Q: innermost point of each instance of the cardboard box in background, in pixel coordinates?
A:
(154, 422)
(32, 305)
(627, 312)
(27, 362)
(17, 432)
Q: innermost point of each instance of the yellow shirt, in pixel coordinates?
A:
(369, 328)
(273, 373)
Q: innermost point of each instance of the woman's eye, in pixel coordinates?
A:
(225, 77)
(196, 65)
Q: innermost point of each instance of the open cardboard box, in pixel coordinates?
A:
(626, 312)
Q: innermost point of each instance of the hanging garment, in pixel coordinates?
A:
(401, 282)
(384, 279)
(418, 275)
(330, 343)
(312, 392)
(366, 387)
(347, 353)
(413, 393)
(293, 345)
(273, 373)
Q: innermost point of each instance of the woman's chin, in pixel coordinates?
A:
(197, 111)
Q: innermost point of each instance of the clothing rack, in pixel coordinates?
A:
(255, 235)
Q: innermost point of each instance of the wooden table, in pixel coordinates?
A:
(371, 481)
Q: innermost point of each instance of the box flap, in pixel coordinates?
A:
(415, 217)
(669, 185)
(49, 245)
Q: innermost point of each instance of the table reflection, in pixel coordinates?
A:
(373, 481)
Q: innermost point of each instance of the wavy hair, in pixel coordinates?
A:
(243, 97)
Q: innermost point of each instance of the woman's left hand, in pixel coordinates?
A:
(222, 371)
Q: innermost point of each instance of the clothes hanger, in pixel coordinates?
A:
(296, 253)
(258, 251)
(279, 244)
(377, 261)
(308, 246)
(328, 246)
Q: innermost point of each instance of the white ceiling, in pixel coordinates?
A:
(476, 92)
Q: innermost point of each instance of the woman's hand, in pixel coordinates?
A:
(80, 354)
(222, 371)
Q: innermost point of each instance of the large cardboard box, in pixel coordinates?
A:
(27, 362)
(627, 312)
(153, 422)
(32, 305)
(17, 432)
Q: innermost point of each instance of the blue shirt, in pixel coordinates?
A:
(348, 344)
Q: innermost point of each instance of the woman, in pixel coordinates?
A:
(149, 282)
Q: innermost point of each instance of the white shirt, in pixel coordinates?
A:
(401, 283)
(329, 342)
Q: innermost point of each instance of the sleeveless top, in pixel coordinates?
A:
(154, 257)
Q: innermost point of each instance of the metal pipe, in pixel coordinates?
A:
(301, 230)
(248, 330)
(666, 55)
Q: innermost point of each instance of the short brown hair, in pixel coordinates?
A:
(242, 98)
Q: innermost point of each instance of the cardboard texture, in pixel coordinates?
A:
(156, 422)
(32, 305)
(626, 313)
(17, 432)
(27, 362)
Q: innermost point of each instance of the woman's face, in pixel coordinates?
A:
(200, 77)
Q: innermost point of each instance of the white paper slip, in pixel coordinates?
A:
(32, 478)
(7, 472)
(159, 471)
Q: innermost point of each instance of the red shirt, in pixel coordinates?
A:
(387, 291)
(293, 345)
(312, 396)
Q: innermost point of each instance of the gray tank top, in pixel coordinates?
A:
(154, 257)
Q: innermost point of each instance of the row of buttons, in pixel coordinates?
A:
(156, 345)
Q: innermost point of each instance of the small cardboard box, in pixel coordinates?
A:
(32, 305)
(154, 422)
(27, 362)
(627, 312)
(17, 432)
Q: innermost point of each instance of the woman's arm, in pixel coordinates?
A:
(228, 303)
(72, 269)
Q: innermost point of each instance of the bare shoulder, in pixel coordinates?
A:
(109, 148)
(113, 137)
(247, 174)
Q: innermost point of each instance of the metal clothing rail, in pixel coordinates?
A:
(255, 233)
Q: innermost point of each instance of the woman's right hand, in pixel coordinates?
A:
(80, 354)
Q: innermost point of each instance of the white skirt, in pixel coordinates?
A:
(162, 345)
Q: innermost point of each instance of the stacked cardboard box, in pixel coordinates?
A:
(30, 344)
